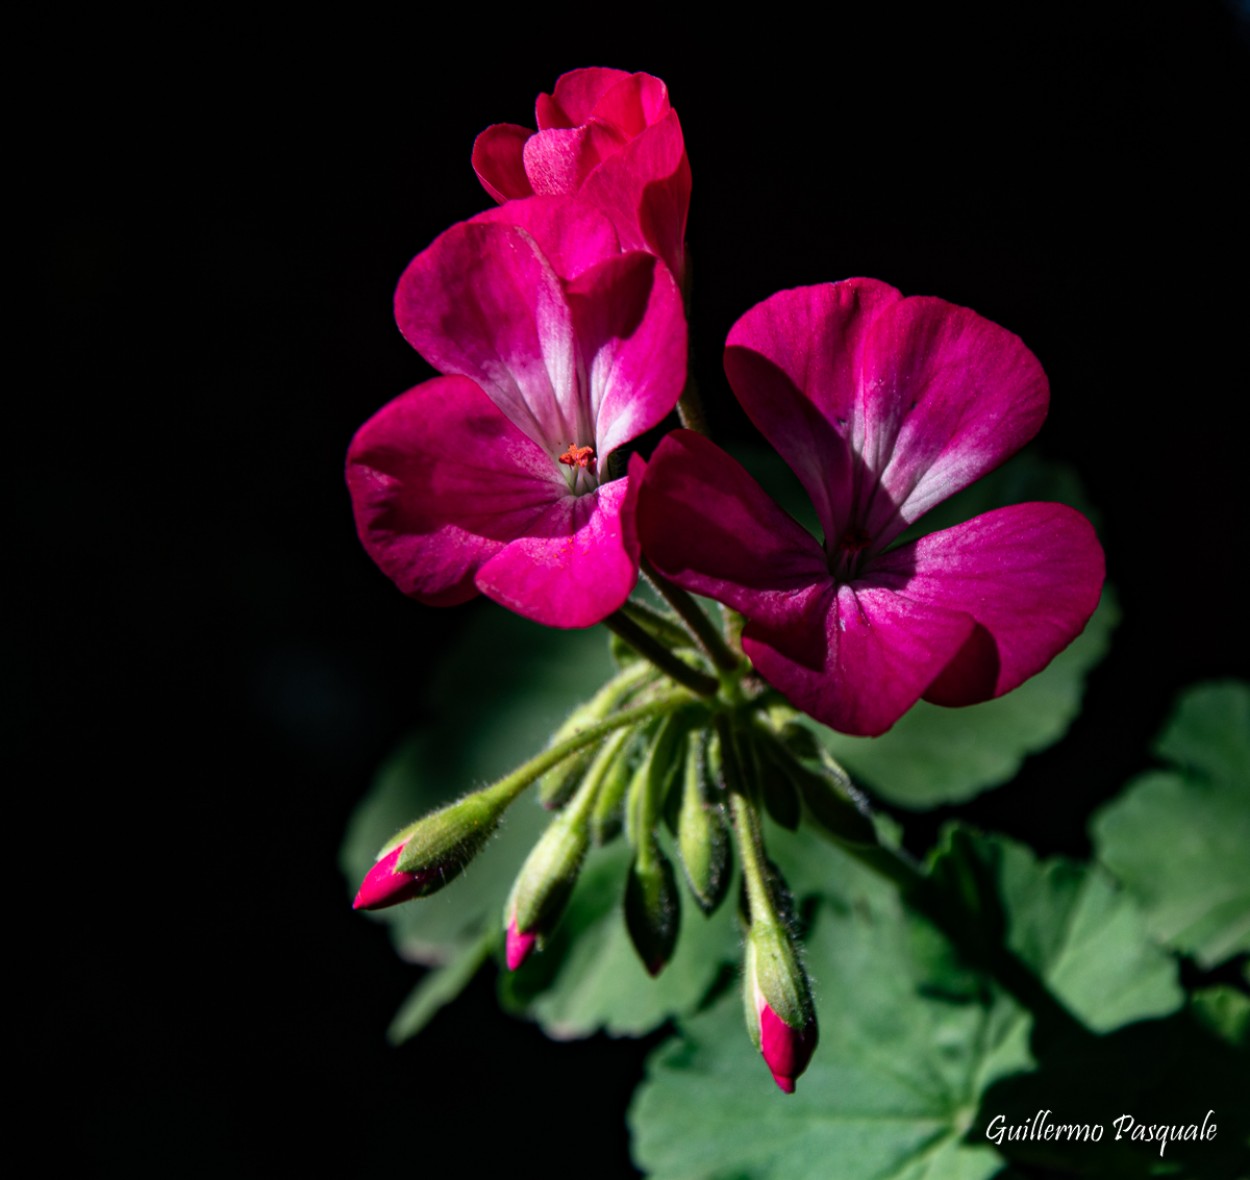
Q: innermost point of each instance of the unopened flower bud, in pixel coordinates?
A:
(702, 835)
(383, 886)
(652, 907)
(544, 884)
(607, 814)
(780, 1016)
(427, 855)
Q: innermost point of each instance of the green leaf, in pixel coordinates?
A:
(438, 988)
(911, 1036)
(588, 976)
(1226, 1012)
(1178, 838)
(935, 755)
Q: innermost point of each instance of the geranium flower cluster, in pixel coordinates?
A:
(556, 320)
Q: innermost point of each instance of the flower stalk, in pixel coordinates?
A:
(643, 642)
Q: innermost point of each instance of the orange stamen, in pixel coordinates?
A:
(577, 456)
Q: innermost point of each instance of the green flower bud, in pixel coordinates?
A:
(607, 813)
(438, 847)
(702, 834)
(780, 1016)
(652, 907)
(544, 884)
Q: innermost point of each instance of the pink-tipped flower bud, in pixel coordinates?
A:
(545, 882)
(520, 943)
(787, 1051)
(385, 886)
(780, 1015)
(428, 854)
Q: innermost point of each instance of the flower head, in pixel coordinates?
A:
(494, 478)
(611, 136)
(883, 407)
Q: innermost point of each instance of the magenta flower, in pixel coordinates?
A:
(614, 138)
(883, 407)
(494, 478)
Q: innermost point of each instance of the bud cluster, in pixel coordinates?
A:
(684, 781)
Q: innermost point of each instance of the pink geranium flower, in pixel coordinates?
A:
(883, 407)
(556, 349)
(614, 138)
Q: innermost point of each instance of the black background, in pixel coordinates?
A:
(207, 667)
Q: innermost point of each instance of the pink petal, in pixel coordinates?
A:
(519, 945)
(577, 563)
(908, 400)
(440, 482)
(633, 104)
(482, 301)
(787, 1051)
(1029, 574)
(573, 98)
(498, 161)
(707, 525)
(855, 657)
(645, 190)
(384, 886)
(946, 397)
(558, 161)
(573, 235)
(631, 335)
(793, 361)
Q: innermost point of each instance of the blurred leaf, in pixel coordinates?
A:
(910, 1036)
(589, 977)
(438, 988)
(1226, 1012)
(936, 755)
(1179, 839)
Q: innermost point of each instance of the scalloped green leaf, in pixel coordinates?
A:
(1178, 838)
(911, 1036)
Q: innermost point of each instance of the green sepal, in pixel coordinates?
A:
(702, 833)
(546, 880)
(652, 907)
(653, 777)
(772, 970)
(774, 777)
(550, 872)
(607, 816)
(827, 792)
(442, 843)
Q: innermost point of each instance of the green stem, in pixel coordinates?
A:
(746, 826)
(665, 628)
(690, 408)
(693, 616)
(646, 645)
(506, 789)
